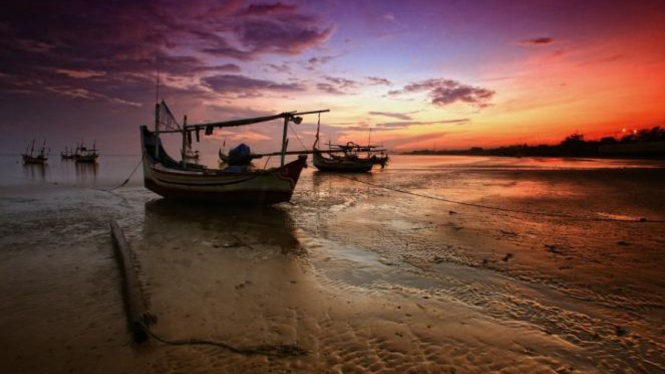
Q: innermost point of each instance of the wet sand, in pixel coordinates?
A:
(365, 279)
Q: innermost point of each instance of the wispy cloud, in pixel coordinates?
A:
(377, 81)
(315, 62)
(536, 41)
(337, 85)
(401, 116)
(405, 124)
(240, 84)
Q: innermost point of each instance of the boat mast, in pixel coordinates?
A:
(184, 141)
(284, 139)
(157, 130)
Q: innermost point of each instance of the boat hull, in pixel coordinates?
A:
(86, 159)
(27, 159)
(167, 178)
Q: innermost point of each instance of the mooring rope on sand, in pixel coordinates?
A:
(126, 180)
(496, 208)
(279, 350)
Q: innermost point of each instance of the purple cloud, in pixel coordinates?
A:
(536, 41)
(129, 41)
(443, 92)
(379, 81)
(240, 84)
(405, 124)
(315, 62)
(329, 88)
(265, 9)
(402, 116)
(337, 86)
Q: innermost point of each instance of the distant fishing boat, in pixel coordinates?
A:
(347, 157)
(237, 184)
(86, 155)
(67, 154)
(188, 153)
(32, 158)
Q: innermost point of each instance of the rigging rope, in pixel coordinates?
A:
(297, 137)
(557, 215)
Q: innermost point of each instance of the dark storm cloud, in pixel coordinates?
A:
(443, 92)
(536, 41)
(402, 116)
(240, 84)
(99, 46)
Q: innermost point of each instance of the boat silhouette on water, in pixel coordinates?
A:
(31, 157)
(85, 155)
(234, 184)
(347, 157)
(67, 154)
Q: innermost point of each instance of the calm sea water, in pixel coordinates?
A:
(111, 170)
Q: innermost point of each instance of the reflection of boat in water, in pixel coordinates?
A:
(347, 157)
(31, 157)
(35, 171)
(85, 170)
(243, 185)
(237, 227)
(86, 155)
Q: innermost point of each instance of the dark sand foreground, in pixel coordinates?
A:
(365, 279)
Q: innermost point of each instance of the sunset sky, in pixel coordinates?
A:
(449, 74)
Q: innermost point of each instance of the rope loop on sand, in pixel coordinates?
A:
(501, 209)
(273, 350)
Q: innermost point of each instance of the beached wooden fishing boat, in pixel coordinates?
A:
(237, 185)
(32, 158)
(347, 157)
(86, 155)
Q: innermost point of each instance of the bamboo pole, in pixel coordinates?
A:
(138, 316)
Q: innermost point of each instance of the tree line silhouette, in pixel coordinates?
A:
(574, 145)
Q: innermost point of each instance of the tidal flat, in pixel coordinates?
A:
(365, 278)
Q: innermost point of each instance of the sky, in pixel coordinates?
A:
(421, 74)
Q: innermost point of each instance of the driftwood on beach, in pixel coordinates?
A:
(138, 316)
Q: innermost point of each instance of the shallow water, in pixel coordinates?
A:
(366, 279)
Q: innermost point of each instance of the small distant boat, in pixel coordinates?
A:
(188, 153)
(86, 155)
(347, 157)
(35, 159)
(67, 155)
(235, 184)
